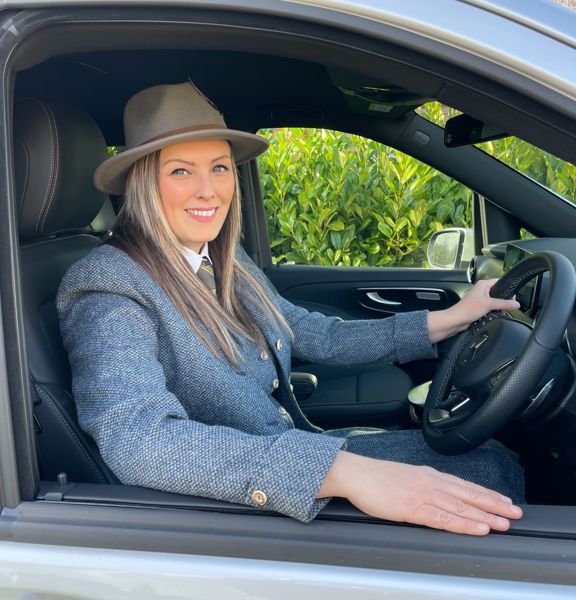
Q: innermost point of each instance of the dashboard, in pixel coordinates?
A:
(498, 259)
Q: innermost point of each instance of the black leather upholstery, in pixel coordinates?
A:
(56, 151)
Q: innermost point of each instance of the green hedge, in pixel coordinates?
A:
(338, 199)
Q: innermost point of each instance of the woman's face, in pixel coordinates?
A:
(196, 183)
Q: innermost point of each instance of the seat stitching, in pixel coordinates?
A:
(49, 195)
(56, 410)
(56, 166)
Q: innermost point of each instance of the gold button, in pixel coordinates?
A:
(259, 498)
(276, 384)
(282, 411)
(264, 355)
(279, 345)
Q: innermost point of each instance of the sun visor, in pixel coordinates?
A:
(371, 96)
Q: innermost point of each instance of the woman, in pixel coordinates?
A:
(180, 369)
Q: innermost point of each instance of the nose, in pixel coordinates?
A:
(204, 187)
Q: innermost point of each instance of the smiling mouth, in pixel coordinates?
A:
(196, 212)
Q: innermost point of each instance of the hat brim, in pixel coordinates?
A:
(110, 176)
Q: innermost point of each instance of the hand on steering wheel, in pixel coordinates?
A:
(498, 362)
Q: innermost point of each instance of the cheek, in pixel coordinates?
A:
(227, 192)
(168, 197)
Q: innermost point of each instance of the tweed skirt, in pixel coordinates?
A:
(492, 465)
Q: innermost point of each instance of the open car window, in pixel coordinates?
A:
(555, 174)
(338, 199)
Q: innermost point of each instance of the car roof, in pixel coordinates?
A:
(272, 63)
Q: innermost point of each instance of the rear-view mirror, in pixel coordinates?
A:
(465, 131)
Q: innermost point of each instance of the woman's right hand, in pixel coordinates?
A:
(421, 495)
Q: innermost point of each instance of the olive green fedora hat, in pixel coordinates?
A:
(163, 115)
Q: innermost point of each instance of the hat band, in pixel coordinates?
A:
(183, 130)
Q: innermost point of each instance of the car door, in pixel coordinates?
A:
(94, 540)
(349, 221)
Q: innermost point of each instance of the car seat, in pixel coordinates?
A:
(56, 149)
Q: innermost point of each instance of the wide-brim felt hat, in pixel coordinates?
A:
(163, 115)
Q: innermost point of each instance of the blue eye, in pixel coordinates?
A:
(220, 169)
(179, 171)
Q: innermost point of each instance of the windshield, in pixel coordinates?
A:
(546, 169)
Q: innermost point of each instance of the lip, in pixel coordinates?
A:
(202, 218)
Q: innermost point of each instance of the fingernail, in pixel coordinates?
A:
(506, 499)
(517, 510)
(482, 527)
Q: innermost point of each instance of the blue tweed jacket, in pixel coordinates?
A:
(167, 414)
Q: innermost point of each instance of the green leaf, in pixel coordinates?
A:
(336, 226)
(385, 229)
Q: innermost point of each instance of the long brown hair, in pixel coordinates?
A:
(142, 231)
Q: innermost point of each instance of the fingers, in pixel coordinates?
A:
(438, 518)
(461, 514)
(422, 495)
(472, 490)
(500, 304)
(480, 496)
(484, 287)
(463, 507)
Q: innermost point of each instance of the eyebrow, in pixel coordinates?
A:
(192, 164)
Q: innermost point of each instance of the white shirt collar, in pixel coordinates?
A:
(195, 259)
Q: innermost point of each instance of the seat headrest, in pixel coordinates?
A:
(56, 150)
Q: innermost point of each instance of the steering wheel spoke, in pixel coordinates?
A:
(455, 409)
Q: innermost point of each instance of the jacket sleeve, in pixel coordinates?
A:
(145, 435)
(331, 340)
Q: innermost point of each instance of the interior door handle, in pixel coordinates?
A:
(375, 297)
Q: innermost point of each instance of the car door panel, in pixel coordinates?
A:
(343, 291)
(353, 396)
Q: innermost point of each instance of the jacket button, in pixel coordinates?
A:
(282, 411)
(279, 345)
(276, 384)
(259, 498)
(264, 355)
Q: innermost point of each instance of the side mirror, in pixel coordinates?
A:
(451, 248)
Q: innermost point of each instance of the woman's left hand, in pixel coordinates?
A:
(475, 304)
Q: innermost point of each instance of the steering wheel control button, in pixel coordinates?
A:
(259, 498)
(499, 375)
(483, 321)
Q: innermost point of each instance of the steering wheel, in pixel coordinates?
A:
(497, 364)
